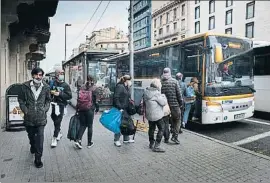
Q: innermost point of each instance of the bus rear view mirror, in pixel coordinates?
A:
(218, 53)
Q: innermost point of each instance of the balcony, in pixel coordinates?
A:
(167, 34)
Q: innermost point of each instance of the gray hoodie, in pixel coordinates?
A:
(154, 103)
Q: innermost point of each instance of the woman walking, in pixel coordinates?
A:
(189, 98)
(121, 100)
(87, 106)
(154, 104)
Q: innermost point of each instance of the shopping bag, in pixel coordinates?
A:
(127, 126)
(74, 126)
(111, 119)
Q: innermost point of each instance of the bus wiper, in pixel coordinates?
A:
(252, 89)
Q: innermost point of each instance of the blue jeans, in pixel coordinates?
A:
(186, 113)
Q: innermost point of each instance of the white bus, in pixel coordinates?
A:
(223, 99)
(262, 78)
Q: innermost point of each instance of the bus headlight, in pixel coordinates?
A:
(214, 107)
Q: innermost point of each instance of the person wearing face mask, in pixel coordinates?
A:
(120, 101)
(34, 100)
(61, 93)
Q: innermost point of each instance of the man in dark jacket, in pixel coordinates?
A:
(34, 100)
(61, 93)
(170, 87)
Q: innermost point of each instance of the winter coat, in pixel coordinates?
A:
(121, 96)
(154, 104)
(35, 110)
(65, 93)
(170, 87)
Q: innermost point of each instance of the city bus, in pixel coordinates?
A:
(221, 99)
(262, 78)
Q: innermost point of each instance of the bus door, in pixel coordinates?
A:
(192, 55)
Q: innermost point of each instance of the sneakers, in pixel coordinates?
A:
(60, 135)
(129, 141)
(91, 144)
(117, 143)
(151, 144)
(78, 145)
(184, 125)
(157, 148)
(175, 140)
(54, 142)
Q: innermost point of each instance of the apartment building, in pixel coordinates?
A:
(180, 19)
(141, 23)
(242, 18)
(170, 22)
(104, 39)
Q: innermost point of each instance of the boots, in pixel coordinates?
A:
(157, 148)
(151, 145)
(38, 163)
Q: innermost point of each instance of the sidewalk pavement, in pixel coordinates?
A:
(195, 159)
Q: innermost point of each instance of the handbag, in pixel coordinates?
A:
(131, 109)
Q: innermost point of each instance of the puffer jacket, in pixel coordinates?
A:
(35, 111)
(170, 87)
(154, 103)
(121, 97)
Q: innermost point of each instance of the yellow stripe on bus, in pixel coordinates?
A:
(228, 97)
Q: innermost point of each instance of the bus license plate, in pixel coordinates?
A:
(239, 116)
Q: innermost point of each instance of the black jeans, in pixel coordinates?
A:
(57, 119)
(152, 128)
(36, 138)
(86, 121)
(166, 133)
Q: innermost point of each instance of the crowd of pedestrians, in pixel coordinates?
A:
(167, 103)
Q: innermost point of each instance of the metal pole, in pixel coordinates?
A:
(65, 42)
(131, 50)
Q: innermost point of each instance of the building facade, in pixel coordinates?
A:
(24, 34)
(142, 24)
(179, 19)
(103, 39)
(170, 22)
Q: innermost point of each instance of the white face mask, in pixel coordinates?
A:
(37, 81)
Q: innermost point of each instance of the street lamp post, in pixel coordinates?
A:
(131, 50)
(66, 25)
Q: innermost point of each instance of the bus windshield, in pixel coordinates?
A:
(230, 45)
(233, 76)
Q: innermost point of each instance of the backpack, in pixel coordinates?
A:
(74, 126)
(84, 101)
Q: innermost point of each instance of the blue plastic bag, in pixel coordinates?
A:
(111, 120)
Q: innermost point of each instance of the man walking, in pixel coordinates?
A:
(34, 100)
(182, 85)
(170, 87)
(61, 93)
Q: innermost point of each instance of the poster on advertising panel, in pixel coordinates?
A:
(15, 113)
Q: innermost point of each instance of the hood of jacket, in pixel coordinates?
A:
(150, 93)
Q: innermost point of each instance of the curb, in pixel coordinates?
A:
(229, 145)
